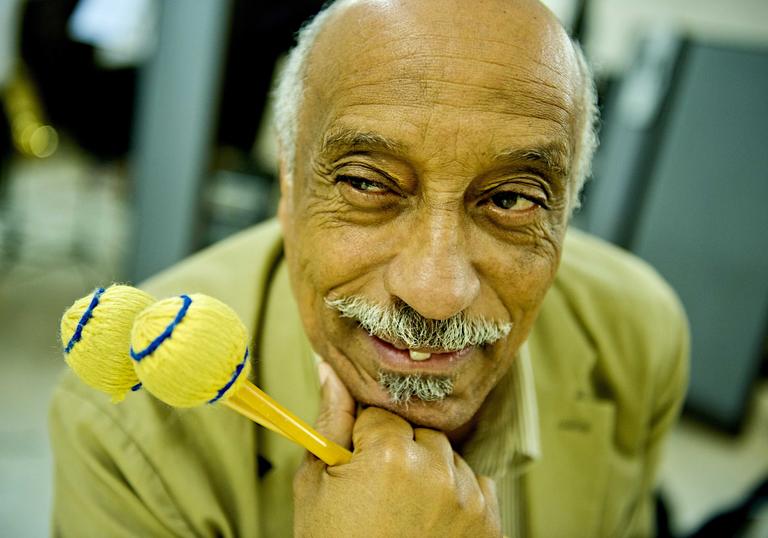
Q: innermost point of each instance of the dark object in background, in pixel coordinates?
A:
(92, 104)
(260, 32)
(681, 180)
(6, 147)
(243, 192)
(738, 521)
(96, 105)
(9, 242)
(662, 517)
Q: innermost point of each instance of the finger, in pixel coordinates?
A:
(376, 427)
(337, 407)
(469, 486)
(488, 488)
(461, 465)
(435, 443)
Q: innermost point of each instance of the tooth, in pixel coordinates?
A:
(419, 355)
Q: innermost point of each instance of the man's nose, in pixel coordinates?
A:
(433, 272)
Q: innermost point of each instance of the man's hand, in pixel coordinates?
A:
(401, 481)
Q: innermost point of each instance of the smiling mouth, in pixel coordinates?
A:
(398, 357)
(420, 354)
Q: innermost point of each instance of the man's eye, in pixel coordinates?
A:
(363, 185)
(512, 201)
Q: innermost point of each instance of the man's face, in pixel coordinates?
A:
(431, 171)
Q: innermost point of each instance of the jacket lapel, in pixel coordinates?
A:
(566, 489)
(286, 371)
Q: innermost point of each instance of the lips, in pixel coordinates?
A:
(397, 344)
(396, 356)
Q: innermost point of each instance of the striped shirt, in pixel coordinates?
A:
(506, 441)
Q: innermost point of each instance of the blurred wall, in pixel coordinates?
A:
(614, 26)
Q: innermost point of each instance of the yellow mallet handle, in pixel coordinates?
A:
(244, 408)
(255, 403)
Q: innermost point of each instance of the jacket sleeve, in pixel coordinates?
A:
(104, 484)
(671, 382)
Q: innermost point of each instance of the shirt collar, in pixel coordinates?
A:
(507, 437)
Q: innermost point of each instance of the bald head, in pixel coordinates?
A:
(484, 29)
(490, 56)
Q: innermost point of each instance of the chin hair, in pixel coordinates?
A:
(403, 389)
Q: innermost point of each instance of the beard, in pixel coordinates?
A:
(402, 388)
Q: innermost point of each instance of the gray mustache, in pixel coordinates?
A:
(401, 323)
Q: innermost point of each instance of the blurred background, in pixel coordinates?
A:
(134, 132)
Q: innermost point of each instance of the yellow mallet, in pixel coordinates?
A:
(193, 349)
(96, 335)
(186, 351)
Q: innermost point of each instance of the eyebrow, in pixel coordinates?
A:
(553, 156)
(341, 140)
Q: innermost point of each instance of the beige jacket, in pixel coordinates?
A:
(609, 354)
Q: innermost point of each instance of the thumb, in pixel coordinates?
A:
(337, 407)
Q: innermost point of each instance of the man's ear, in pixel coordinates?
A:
(282, 170)
(285, 204)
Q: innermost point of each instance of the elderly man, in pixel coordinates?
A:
(421, 298)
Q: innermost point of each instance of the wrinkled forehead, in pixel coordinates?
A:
(496, 30)
(486, 57)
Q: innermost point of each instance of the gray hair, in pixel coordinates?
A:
(586, 127)
(404, 388)
(289, 94)
(400, 322)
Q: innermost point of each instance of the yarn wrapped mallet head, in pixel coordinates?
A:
(96, 333)
(190, 350)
